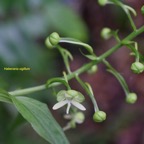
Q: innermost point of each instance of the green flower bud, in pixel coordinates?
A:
(52, 40)
(106, 33)
(79, 117)
(102, 2)
(142, 9)
(93, 69)
(99, 116)
(137, 67)
(131, 98)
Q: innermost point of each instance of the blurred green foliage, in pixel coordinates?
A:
(24, 25)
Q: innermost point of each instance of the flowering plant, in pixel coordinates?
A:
(37, 113)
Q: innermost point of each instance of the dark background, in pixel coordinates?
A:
(24, 25)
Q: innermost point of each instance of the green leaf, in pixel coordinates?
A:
(66, 21)
(91, 57)
(38, 115)
(118, 76)
(4, 96)
(66, 55)
(128, 8)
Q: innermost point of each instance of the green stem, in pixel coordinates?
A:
(116, 47)
(28, 90)
(67, 127)
(85, 67)
(131, 21)
(65, 58)
(55, 81)
(134, 49)
(126, 10)
(90, 93)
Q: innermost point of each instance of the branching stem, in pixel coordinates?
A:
(82, 69)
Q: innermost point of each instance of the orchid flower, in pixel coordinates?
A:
(69, 97)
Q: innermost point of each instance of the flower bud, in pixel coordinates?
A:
(137, 67)
(142, 9)
(102, 2)
(93, 69)
(106, 33)
(131, 98)
(52, 40)
(79, 117)
(99, 116)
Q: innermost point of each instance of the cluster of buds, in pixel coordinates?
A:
(74, 98)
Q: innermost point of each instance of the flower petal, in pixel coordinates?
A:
(78, 105)
(59, 104)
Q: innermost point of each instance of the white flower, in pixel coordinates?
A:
(70, 97)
